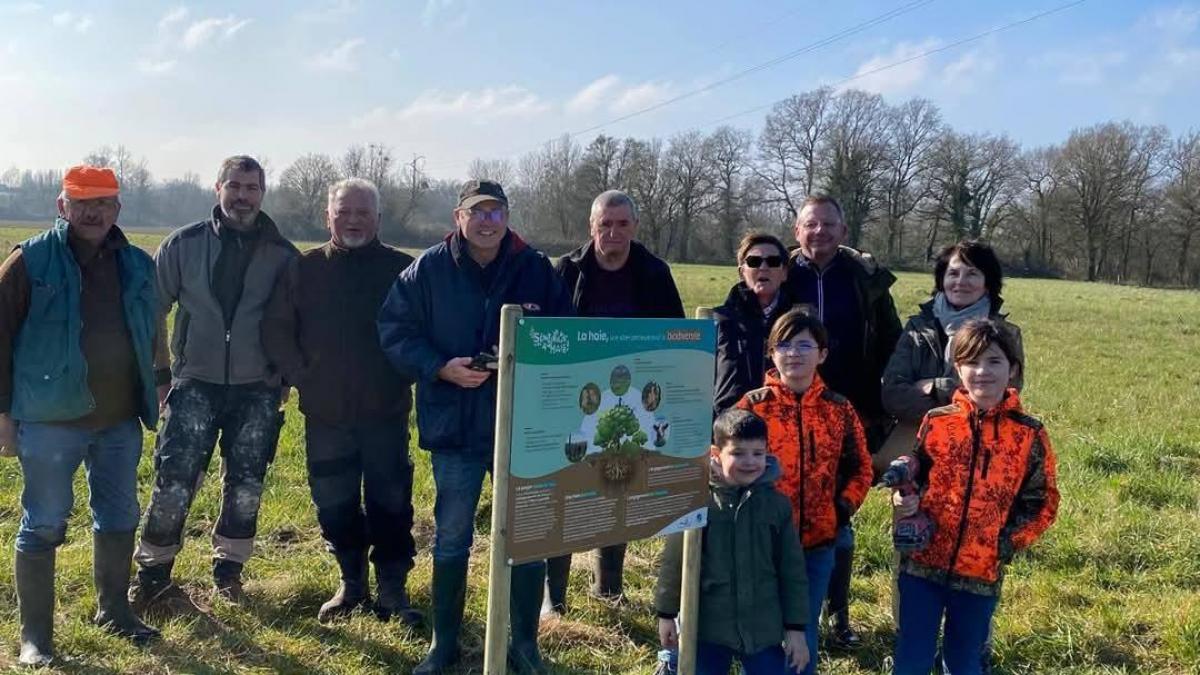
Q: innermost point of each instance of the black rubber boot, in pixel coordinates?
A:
(354, 591)
(558, 573)
(609, 569)
(150, 584)
(449, 599)
(524, 611)
(391, 580)
(35, 596)
(841, 636)
(227, 579)
(112, 555)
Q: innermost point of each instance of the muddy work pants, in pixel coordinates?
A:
(247, 420)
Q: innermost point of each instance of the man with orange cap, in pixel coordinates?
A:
(82, 357)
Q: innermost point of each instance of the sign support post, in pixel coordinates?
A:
(495, 655)
(689, 606)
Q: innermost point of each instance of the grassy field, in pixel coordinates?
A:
(1113, 588)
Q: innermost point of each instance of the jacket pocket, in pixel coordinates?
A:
(439, 415)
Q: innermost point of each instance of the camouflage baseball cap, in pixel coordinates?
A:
(479, 191)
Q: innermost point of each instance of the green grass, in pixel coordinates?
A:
(1114, 587)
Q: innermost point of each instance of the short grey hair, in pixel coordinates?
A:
(612, 198)
(351, 184)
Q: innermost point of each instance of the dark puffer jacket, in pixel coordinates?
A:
(657, 297)
(444, 306)
(752, 580)
(920, 355)
(742, 343)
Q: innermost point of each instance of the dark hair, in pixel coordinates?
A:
(753, 239)
(974, 337)
(795, 322)
(241, 163)
(736, 424)
(814, 200)
(978, 255)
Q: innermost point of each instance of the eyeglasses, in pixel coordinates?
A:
(491, 216)
(756, 261)
(796, 347)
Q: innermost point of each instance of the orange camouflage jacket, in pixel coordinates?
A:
(822, 452)
(987, 480)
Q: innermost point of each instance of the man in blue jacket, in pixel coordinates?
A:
(79, 341)
(443, 311)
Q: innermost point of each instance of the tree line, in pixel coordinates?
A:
(1115, 201)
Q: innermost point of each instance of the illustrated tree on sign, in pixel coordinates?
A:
(618, 432)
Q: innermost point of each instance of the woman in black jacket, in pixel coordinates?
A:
(745, 319)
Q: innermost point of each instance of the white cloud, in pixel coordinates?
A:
(593, 95)
(894, 72)
(641, 96)
(156, 67)
(205, 30)
(168, 21)
(1082, 68)
(964, 73)
(339, 58)
(480, 105)
(1175, 21)
(80, 23)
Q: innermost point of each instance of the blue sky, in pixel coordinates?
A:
(187, 84)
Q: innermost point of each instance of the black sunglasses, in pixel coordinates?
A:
(756, 261)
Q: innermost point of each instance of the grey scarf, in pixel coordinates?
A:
(951, 318)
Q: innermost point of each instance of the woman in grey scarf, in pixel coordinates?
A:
(967, 279)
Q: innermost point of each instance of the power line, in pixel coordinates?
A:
(916, 57)
(824, 42)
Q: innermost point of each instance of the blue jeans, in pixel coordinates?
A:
(715, 660)
(818, 563)
(968, 617)
(51, 453)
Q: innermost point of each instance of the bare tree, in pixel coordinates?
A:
(690, 179)
(601, 167)
(913, 130)
(499, 170)
(789, 147)
(646, 185)
(974, 179)
(855, 146)
(304, 189)
(728, 152)
(1183, 200)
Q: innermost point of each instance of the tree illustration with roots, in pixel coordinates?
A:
(622, 438)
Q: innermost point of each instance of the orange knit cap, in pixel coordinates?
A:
(90, 182)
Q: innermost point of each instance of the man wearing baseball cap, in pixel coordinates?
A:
(81, 357)
(443, 311)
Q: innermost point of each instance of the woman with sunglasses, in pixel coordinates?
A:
(746, 318)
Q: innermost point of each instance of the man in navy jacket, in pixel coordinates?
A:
(443, 311)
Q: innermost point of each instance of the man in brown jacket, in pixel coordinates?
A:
(319, 332)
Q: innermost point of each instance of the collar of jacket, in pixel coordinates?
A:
(732, 494)
(744, 299)
(366, 249)
(267, 229)
(926, 309)
(586, 255)
(510, 245)
(863, 265)
(1011, 403)
(810, 396)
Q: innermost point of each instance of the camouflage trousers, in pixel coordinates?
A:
(246, 419)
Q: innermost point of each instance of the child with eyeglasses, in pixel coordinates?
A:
(819, 442)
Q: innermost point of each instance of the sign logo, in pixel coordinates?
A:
(555, 341)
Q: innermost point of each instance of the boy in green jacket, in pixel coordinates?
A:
(754, 592)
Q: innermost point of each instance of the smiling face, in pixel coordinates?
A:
(819, 231)
(986, 376)
(758, 273)
(797, 359)
(353, 218)
(742, 460)
(240, 196)
(90, 219)
(964, 284)
(613, 230)
(483, 225)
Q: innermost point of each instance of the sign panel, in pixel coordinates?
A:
(612, 421)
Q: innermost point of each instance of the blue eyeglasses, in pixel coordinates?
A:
(796, 347)
(492, 216)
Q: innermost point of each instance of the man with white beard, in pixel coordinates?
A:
(319, 332)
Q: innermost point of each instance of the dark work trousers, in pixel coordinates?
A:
(361, 478)
(247, 418)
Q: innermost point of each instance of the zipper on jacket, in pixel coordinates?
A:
(976, 433)
(228, 348)
(821, 295)
(812, 447)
